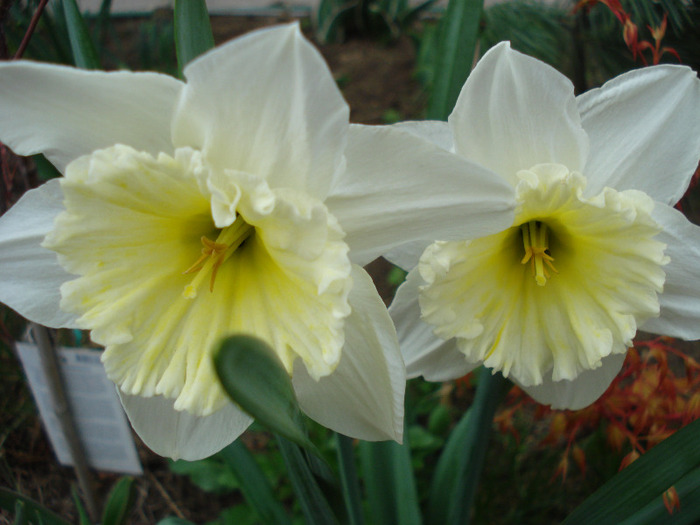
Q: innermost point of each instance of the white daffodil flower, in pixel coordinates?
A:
(596, 250)
(240, 201)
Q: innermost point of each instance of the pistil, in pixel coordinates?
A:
(536, 243)
(215, 253)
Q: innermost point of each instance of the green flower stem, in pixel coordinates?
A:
(314, 504)
(458, 471)
(349, 480)
(254, 485)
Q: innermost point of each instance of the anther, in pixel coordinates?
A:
(536, 243)
(215, 253)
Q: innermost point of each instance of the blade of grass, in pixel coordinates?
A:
(644, 480)
(193, 34)
(688, 489)
(119, 502)
(349, 480)
(83, 518)
(84, 53)
(32, 510)
(314, 504)
(459, 468)
(377, 474)
(254, 485)
(390, 483)
(456, 45)
(20, 517)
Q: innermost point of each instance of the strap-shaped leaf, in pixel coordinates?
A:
(255, 379)
(645, 481)
(119, 502)
(390, 483)
(32, 511)
(83, 518)
(456, 43)
(193, 35)
(314, 504)
(84, 53)
(349, 480)
(459, 468)
(688, 490)
(254, 485)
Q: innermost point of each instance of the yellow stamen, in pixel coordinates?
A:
(536, 243)
(215, 253)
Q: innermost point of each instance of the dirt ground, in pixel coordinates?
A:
(375, 78)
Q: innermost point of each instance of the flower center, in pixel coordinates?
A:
(536, 243)
(215, 253)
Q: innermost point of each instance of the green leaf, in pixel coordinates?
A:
(33, 511)
(378, 476)
(329, 19)
(119, 502)
(211, 474)
(390, 483)
(237, 515)
(349, 479)
(314, 504)
(193, 35)
(673, 462)
(456, 45)
(539, 29)
(172, 520)
(688, 489)
(458, 470)
(84, 53)
(20, 514)
(253, 483)
(254, 378)
(83, 517)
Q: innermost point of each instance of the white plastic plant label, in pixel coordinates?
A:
(99, 417)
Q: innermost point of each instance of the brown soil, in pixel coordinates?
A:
(374, 78)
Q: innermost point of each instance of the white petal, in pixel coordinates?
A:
(424, 353)
(407, 255)
(399, 188)
(644, 128)
(181, 435)
(680, 300)
(65, 112)
(515, 112)
(436, 131)
(266, 104)
(363, 398)
(588, 386)
(30, 276)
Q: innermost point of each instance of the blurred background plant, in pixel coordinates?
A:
(541, 464)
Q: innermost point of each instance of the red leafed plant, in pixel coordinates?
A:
(630, 32)
(656, 393)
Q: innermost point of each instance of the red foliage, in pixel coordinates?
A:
(656, 393)
(630, 32)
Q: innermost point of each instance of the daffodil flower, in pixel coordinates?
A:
(239, 201)
(596, 250)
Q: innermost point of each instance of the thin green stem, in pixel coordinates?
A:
(313, 502)
(349, 480)
(459, 468)
(488, 397)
